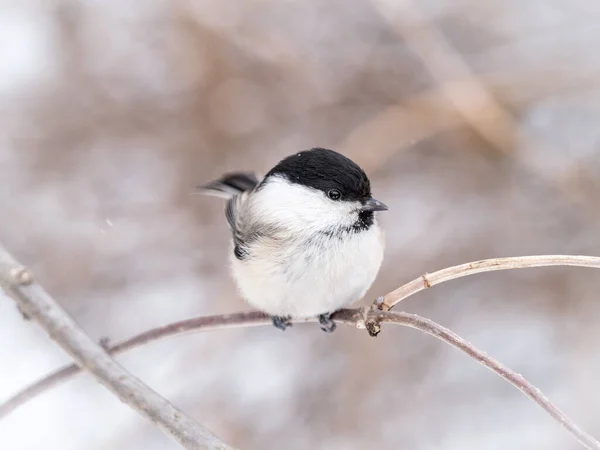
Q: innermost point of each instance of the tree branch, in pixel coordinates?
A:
(487, 265)
(207, 323)
(369, 318)
(360, 318)
(37, 304)
(517, 380)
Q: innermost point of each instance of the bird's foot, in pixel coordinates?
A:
(327, 324)
(282, 322)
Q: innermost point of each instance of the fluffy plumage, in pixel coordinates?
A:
(298, 249)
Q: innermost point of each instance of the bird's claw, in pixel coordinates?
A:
(281, 322)
(327, 324)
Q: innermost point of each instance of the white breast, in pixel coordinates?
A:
(311, 275)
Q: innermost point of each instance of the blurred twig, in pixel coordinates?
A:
(487, 265)
(471, 98)
(34, 302)
(369, 318)
(397, 127)
(467, 92)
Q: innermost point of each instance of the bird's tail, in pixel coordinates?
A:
(230, 184)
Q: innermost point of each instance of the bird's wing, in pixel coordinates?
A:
(234, 187)
(230, 184)
(235, 217)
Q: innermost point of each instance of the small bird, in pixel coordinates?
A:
(306, 240)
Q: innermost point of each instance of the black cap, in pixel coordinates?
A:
(324, 169)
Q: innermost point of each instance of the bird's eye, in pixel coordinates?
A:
(334, 194)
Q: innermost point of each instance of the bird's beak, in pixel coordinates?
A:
(373, 205)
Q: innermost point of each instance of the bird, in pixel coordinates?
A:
(306, 238)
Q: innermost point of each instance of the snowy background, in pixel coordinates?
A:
(112, 111)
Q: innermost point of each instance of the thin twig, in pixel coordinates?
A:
(364, 318)
(206, 323)
(487, 265)
(361, 318)
(444, 334)
(467, 90)
(464, 89)
(37, 304)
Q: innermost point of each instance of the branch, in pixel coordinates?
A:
(487, 265)
(517, 380)
(360, 318)
(207, 323)
(364, 318)
(34, 302)
(472, 99)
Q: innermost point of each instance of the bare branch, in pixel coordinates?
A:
(487, 265)
(465, 90)
(196, 324)
(38, 305)
(517, 380)
(371, 320)
(208, 323)
(360, 318)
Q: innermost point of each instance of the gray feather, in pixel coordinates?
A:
(230, 185)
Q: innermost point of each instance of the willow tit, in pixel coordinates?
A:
(306, 240)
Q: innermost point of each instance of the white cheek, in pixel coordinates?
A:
(294, 206)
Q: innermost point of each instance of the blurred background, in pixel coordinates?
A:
(478, 124)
